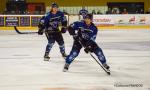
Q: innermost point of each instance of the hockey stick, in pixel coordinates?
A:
(107, 71)
(23, 32)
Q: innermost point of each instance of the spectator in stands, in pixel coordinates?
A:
(125, 11)
(99, 12)
(93, 12)
(137, 12)
(115, 10)
(109, 11)
(148, 12)
(141, 11)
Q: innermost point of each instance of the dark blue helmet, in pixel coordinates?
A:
(89, 16)
(53, 5)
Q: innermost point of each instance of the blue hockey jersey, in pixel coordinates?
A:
(87, 32)
(52, 21)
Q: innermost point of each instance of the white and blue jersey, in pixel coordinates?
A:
(87, 35)
(86, 32)
(52, 21)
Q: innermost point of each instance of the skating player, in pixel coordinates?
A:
(51, 22)
(85, 37)
(83, 12)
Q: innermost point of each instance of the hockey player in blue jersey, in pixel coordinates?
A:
(83, 12)
(85, 37)
(51, 22)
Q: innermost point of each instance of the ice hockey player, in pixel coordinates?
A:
(51, 22)
(84, 34)
(83, 12)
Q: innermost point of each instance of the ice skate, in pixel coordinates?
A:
(64, 55)
(66, 67)
(46, 57)
(106, 66)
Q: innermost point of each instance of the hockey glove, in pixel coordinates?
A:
(63, 30)
(88, 49)
(40, 32)
(41, 28)
(90, 46)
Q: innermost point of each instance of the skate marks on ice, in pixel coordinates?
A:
(54, 89)
(94, 88)
(22, 64)
(127, 46)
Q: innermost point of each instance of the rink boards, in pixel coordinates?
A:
(30, 22)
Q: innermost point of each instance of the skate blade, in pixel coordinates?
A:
(65, 70)
(108, 71)
(46, 59)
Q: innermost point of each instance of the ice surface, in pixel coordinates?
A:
(22, 66)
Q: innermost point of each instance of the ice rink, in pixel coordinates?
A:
(127, 52)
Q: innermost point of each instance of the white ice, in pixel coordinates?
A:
(22, 66)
